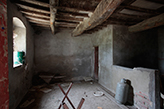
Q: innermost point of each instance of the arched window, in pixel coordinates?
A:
(19, 42)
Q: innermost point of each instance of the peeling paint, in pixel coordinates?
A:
(5, 48)
(3, 79)
(4, 83)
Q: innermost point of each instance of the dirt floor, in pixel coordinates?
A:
(50, 97)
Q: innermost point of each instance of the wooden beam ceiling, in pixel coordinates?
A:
(35, 14)
(101, 13)
(148, 24)
(70, 13)
(67, 9)
(53, 12)
(129, 16)
(33, 9)
(37, 3)
(144, 10)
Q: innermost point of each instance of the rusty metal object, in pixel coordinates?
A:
(81, 103)
(66, 95)
(63, 104)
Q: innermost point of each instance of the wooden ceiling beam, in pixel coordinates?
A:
(66, 9)
(35, 14)
(35, 2)
(38, 19)
(129, 16)
(29, 16)
(73, 15)
(43, 22)
(68, 19)
(104, 9)
(33, 9)
(39, 22)
(41, 25)
(53, 11)
(148, 24)
(134, 8)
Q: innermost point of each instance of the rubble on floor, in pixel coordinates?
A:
(49, 96)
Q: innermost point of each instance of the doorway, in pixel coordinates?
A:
(96, 64)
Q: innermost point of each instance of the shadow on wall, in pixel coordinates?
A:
(130, 99)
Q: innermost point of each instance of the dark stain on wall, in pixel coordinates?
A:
(135, 49)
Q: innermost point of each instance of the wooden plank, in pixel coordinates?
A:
(40, 25)
(73, 15)
(37, 19)
(35, 14)
(104, 9)
(53, 12)
(144, 10)
(61, 24)
(148, 24)
(29, 16)
(65, 24)
(39, 22)
(35, 2)
(69, 19)
(129, 16)
(67, 9)
(33, 9)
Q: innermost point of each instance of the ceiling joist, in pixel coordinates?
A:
(104, 9)
(37, 3)
(33, 9)
(35, 14)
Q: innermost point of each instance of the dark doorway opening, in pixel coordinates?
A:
(96, 66)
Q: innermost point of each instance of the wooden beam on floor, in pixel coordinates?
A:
(35, 14)
(33, 9)
(35, 2)
(148, 24)
(104, 9)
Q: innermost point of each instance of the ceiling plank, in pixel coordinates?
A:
(66, 9)
(46, 22)
(73, 15)
(104, 9)
(37, 3)
(42, 25)
(148, 24)
(39, 22)
(33, 9)
(69, 19)
(35, 14)
(37, 19)
(29, 16)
